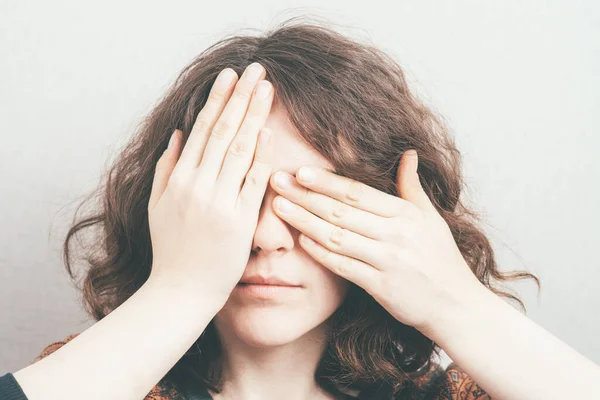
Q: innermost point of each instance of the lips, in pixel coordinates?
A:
(267, 280)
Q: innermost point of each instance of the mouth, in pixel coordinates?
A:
(267, 291)
(266, 284)
(267, 280)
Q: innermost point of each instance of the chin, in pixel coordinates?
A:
(250, 320)
(266, 326)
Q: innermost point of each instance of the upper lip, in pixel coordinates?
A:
(267, 280)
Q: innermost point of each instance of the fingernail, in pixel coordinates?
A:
(254, 71)
(306, 174)
(282, 180)
(263, 89)
(225, 79)
(415, 159)
(307, 240)
(284, 204)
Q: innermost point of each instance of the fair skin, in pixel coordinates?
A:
(380, 242)
(259, 336)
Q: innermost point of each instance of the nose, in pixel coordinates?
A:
(272, 233)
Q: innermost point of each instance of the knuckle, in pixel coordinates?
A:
(242, 93)
(338, 211)
(252, 177)
(344, 266)
(201, 124)
(336, 238)
(257, 176)
(221, 128)
(239, 147)
(355, 192)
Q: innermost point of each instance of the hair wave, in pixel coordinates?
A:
(351, 102)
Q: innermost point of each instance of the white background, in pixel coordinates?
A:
(517, 81)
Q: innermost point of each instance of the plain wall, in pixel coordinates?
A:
(518, 83)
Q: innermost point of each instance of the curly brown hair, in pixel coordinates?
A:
(352, 103)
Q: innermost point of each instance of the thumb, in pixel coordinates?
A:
(164, 168)
(408, 182)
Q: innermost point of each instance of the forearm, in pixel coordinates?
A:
(123, 355)
(509, 355)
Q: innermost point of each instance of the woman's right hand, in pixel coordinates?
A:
(204, 204)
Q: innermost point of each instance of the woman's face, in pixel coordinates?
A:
(286, 316)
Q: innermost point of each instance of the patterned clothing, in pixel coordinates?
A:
(439, 384)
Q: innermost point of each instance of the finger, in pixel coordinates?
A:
(164, 167)
(241, 151)
(356, 271)
(217, 99)
(349, 191)
(228, 123)
(331, 210)
(332, 237)
(409, 184)
(257, 179)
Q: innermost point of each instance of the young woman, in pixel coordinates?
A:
(301, 237)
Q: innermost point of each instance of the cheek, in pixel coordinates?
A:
(327, 291)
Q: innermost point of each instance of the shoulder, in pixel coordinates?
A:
(164, 390)
(454, 383)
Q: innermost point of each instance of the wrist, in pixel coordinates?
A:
(458, 306)
(182, 291)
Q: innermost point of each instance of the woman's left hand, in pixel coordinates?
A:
(398, 249)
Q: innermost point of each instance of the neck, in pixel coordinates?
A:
(272, 372)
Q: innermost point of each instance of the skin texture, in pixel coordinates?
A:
(261, 336)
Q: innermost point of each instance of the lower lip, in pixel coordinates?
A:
(266, 291)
